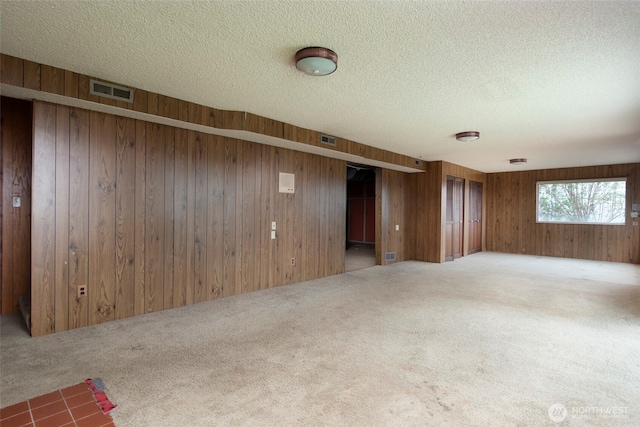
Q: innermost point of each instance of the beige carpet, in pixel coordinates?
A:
(490, 339)
(359, 256)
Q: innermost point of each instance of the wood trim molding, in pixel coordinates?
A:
(40, 77)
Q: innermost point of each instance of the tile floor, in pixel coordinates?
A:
(73, 406)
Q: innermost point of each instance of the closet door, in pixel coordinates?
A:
(448, 227)
(457, 217)
(453, 218)
(475, 217)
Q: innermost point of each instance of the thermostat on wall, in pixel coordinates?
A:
(287, 182)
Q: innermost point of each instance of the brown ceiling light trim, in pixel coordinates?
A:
(316, 61)
(468, 136)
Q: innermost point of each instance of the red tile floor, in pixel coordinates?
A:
(73, 406)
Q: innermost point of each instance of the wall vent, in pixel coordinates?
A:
(389, 256)
(108, 90)
(418, 162)
(329, 140)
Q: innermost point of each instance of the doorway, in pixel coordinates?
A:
(361, 219)
(454, 216)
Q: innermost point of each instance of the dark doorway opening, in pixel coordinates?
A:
(361, 217)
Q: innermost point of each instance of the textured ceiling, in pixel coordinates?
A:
(555, 82)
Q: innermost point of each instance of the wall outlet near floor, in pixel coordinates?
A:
(82, 291)
(293, 261)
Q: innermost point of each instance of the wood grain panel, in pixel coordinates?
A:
(189, 288)
(261, 229)
(169, 182)
(180, 206)
(125, 218)
(310, 216)
(140, 212)
(71, 84)
(230, 285)
(201, 161)
(15, 223)
(11, 70)
(62, 220)
(155, 218)
(391, 206)
(247, 260)
(267, 215)
(52, 80)
(168, 107)
(142, 196)
(287, 238)
(102, 226)
(215, 216)
(79, 123)
(43, 226)
(31, 75)
(519, 232)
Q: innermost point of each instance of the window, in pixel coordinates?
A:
(599, 201)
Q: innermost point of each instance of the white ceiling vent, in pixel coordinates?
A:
(329, 140)
(108, 90)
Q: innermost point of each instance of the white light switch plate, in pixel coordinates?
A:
(273, 234)
(397, 227)
(273, 225)
(17, 202)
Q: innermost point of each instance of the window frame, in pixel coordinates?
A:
(569, 181)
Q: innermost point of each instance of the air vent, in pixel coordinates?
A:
(418, 162)
(329, 140)
(108, 90)
(389, 256)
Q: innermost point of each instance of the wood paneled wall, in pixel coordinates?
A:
(394, 191)
(41, 77)
(15, 229)
(430, 205)
(512, 227)
(152, 217)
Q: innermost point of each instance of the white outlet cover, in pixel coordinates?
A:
(17, 202)
(273, 225)
(273, 234)
(397, 227)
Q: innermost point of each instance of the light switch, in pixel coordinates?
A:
(397, 227)
(17, 202)
(273, 234)
(273, 225)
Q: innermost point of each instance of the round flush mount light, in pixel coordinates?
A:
(468, 136)
(518, 162)
(316, 61)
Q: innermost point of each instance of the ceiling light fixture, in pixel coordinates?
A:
(316, 61)
(518, 161)
(468, 136)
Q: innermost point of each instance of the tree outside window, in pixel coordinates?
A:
(582, 202)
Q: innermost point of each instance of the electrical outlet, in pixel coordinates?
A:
(293, 261)
(82, 291)
(16, 202)
(397, 227)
